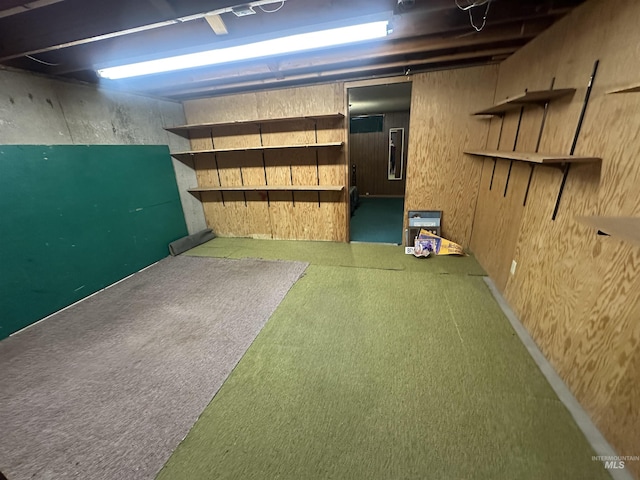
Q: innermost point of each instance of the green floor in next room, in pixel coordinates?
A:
(379, 365)
(378, 219)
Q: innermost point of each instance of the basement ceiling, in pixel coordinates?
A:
(73, 38)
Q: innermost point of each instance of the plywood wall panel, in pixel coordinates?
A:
(202, 142)
(297, 132)
(216, 214)
(236, 136)
(576, 292)
(622, 411)
(439, 175)
(256, 214)
(304, 101)
(227, 108)
(284, 215)
(306, 213)
(493, 238)
(530, 59)
(331, 130)
(207, 175)
(333, 170)
(599, 366)
(497, 221)
(206, 170)
(235, 205)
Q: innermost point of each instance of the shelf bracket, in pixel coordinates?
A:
(526, 193)
(264, 164)
(515, 144)
(315, 126)
(542, 124)
(583, 112)
(495, 160)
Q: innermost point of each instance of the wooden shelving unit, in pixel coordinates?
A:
(538, 97)
(233, 178)
(532, 157)
(625, 228)
(628, 89)
(270, 188)
(182, 156)
(186, 130)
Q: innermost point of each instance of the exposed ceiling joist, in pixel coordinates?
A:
(164, 7)
(183, 37)
(73, 38)
(89, 22)
(400, 66)
(516, 35)
(217, 24)
(15, 7)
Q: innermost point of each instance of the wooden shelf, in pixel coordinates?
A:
(265, 188)
(625, 228)
(182, 155)
(184, 130)
(538, 97)
(530, 157)
(628, 89)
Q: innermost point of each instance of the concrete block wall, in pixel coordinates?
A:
(39, 110)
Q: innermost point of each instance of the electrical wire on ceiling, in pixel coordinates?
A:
(469, 8)
(42, 61)
(271, 11)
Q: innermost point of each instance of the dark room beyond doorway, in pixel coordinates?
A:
(378, 144)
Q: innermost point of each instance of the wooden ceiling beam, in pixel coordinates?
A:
(79, 36)
(9, 8)
(75, 22)
(455, 20)
(217, 24)
(513, 34)
(341, 72)
(197, 35)
(78, 22)
(164, 7)
(27, 4)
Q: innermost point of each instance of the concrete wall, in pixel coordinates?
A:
(44, 111)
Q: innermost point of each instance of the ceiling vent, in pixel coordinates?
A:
(243, 10)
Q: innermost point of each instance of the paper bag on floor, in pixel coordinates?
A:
(427, 244)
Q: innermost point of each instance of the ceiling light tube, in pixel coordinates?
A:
(278, 46)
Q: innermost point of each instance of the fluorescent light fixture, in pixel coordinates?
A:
(292, 43)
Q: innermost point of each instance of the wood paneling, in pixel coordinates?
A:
(576, 292)
(369, 152)
(296, 215)
(439, 177)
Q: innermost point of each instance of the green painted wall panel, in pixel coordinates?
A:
(77, 218)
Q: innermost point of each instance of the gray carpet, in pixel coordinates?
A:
(107, 388)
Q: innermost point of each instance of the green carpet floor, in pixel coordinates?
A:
(370, 372)
(378, 220)
(357, 255)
